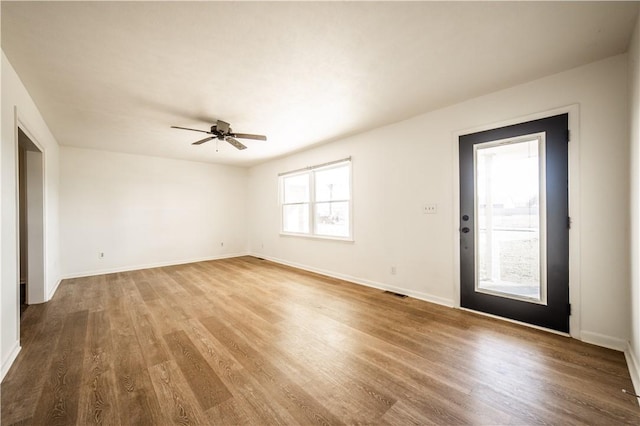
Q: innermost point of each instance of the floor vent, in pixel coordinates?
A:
(402, 296)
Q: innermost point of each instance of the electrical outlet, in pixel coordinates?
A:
(430, 209)
(393, 270)
(101, 255)
(222, 244)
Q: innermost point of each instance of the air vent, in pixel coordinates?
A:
(402, 296)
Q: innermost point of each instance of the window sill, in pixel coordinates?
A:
(318, 237)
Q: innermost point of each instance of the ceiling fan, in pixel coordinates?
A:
(222, 131)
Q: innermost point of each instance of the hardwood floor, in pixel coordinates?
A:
(246, 341)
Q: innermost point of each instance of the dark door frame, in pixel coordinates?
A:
(574, 208)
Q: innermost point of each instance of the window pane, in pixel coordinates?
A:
(295, 218)
(296, 188)
(332, 184)
(508, 205)
(332, 219)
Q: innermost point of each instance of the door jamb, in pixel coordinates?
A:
(41, 295)
(574, 205)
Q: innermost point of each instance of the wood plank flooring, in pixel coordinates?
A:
(246, 341)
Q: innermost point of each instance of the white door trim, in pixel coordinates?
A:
(37, 293)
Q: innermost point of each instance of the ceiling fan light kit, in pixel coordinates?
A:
(222, 131)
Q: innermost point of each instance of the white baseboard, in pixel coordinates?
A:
(53, 290)
(368, 283)
(634, 369)
(148, 266)
(8, 362)
(598, 339)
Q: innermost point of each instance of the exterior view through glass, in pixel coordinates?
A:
(509, 202)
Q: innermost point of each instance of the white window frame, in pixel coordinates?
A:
(310, 172)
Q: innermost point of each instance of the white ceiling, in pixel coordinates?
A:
(116, 75)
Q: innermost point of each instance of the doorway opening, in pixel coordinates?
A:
(30, 221)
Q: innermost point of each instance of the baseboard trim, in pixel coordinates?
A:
(367, 283)
(53, 290)
(149, 266)
(634, 369)
(605, 341)
(8, 362)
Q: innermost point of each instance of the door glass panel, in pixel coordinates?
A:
(510, 221)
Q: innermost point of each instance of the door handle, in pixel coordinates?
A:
(465, 230)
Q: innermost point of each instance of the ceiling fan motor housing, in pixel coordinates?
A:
(222, 127)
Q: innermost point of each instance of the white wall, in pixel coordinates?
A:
(146, 211)
(14, 94)
(398, 168)
(633, 351)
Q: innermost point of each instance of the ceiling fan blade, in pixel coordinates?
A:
(186, 128)
(201, 141)
(234, 142)
(248, 136)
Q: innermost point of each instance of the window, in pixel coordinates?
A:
(316, 201)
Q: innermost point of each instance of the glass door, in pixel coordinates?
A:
(510, 218)
(514, 235)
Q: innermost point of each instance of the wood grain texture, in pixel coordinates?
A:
(58, 402)
(175, 399)
(98, 402)
(205, 384)
(136, 398)
(246, 341)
